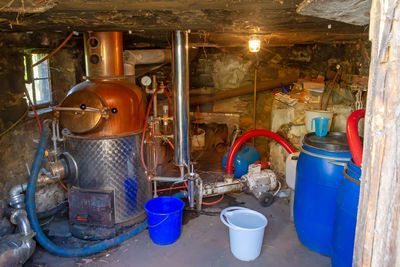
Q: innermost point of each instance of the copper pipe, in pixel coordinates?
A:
(104, 55)
(244, 90)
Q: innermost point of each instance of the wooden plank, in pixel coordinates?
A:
(377, 240)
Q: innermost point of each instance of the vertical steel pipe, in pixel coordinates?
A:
(180, 67)
(191, 186)
(255, 103)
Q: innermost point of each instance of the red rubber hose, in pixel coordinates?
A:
(352, 136)
(169, 102)
(215, 202)
(171, 188)
(145, 126)
(250, 134)
(54, 51)
(144, 133)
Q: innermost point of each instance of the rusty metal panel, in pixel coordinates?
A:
(91, 207)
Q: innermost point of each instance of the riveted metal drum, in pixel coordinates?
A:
(318, 177)
(110, 174)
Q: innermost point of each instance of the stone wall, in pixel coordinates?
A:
(19, 144)
(213, 69)
(228, 68)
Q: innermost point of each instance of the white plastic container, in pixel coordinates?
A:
(311, 114)
(291, 164)
(246, 231)
(199, 140)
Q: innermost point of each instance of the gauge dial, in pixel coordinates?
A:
(145, 81)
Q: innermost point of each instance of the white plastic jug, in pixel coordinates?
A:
(246, 231)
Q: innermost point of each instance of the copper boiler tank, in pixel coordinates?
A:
(103, 119)
(105, 104)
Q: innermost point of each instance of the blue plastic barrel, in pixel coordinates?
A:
(164, 217)
(344, 229)
(318, 177)
(245, 156)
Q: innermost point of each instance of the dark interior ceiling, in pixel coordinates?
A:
(212, 23)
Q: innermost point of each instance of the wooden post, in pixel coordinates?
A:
(377, 240)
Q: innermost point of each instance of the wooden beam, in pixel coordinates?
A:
(378, 224)
(220, 39)
(349, 11)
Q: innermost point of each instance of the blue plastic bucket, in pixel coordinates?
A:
(344, 229)
(321, 126)
(164, 217)
(318, 177)
(245, 156)
(246, 231)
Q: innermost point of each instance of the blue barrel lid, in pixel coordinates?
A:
(332, 142)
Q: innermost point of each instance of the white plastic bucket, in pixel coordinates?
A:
(246, 231)
(199, 140)
(311, 114)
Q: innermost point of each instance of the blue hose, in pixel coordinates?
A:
(31, 210)
(182, 194)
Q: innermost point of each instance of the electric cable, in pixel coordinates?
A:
(54, 51)
(15, 123)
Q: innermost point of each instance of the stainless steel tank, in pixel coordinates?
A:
(104, 118)
(110, 166)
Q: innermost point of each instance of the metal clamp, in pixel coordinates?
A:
(348, 177)
(343, 164)
(103, 111)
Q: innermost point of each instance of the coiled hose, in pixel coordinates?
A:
(31, 210)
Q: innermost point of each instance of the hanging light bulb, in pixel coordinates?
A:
(254, 43)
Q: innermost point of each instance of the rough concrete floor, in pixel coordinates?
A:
(205, 239)
(204, 242)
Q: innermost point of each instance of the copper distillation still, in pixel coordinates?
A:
(103, 120)
(105, 104)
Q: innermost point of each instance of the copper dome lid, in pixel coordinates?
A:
(105, 104)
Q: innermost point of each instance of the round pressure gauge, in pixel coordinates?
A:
(146, 80)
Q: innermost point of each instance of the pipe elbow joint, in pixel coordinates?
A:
(17, 190)
(19, 217)
(16, 196)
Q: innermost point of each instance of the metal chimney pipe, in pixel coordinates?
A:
(180, 68)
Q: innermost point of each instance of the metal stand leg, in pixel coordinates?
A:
(291, 204)
(155, 189)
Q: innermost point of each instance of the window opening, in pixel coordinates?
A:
(37, 79)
